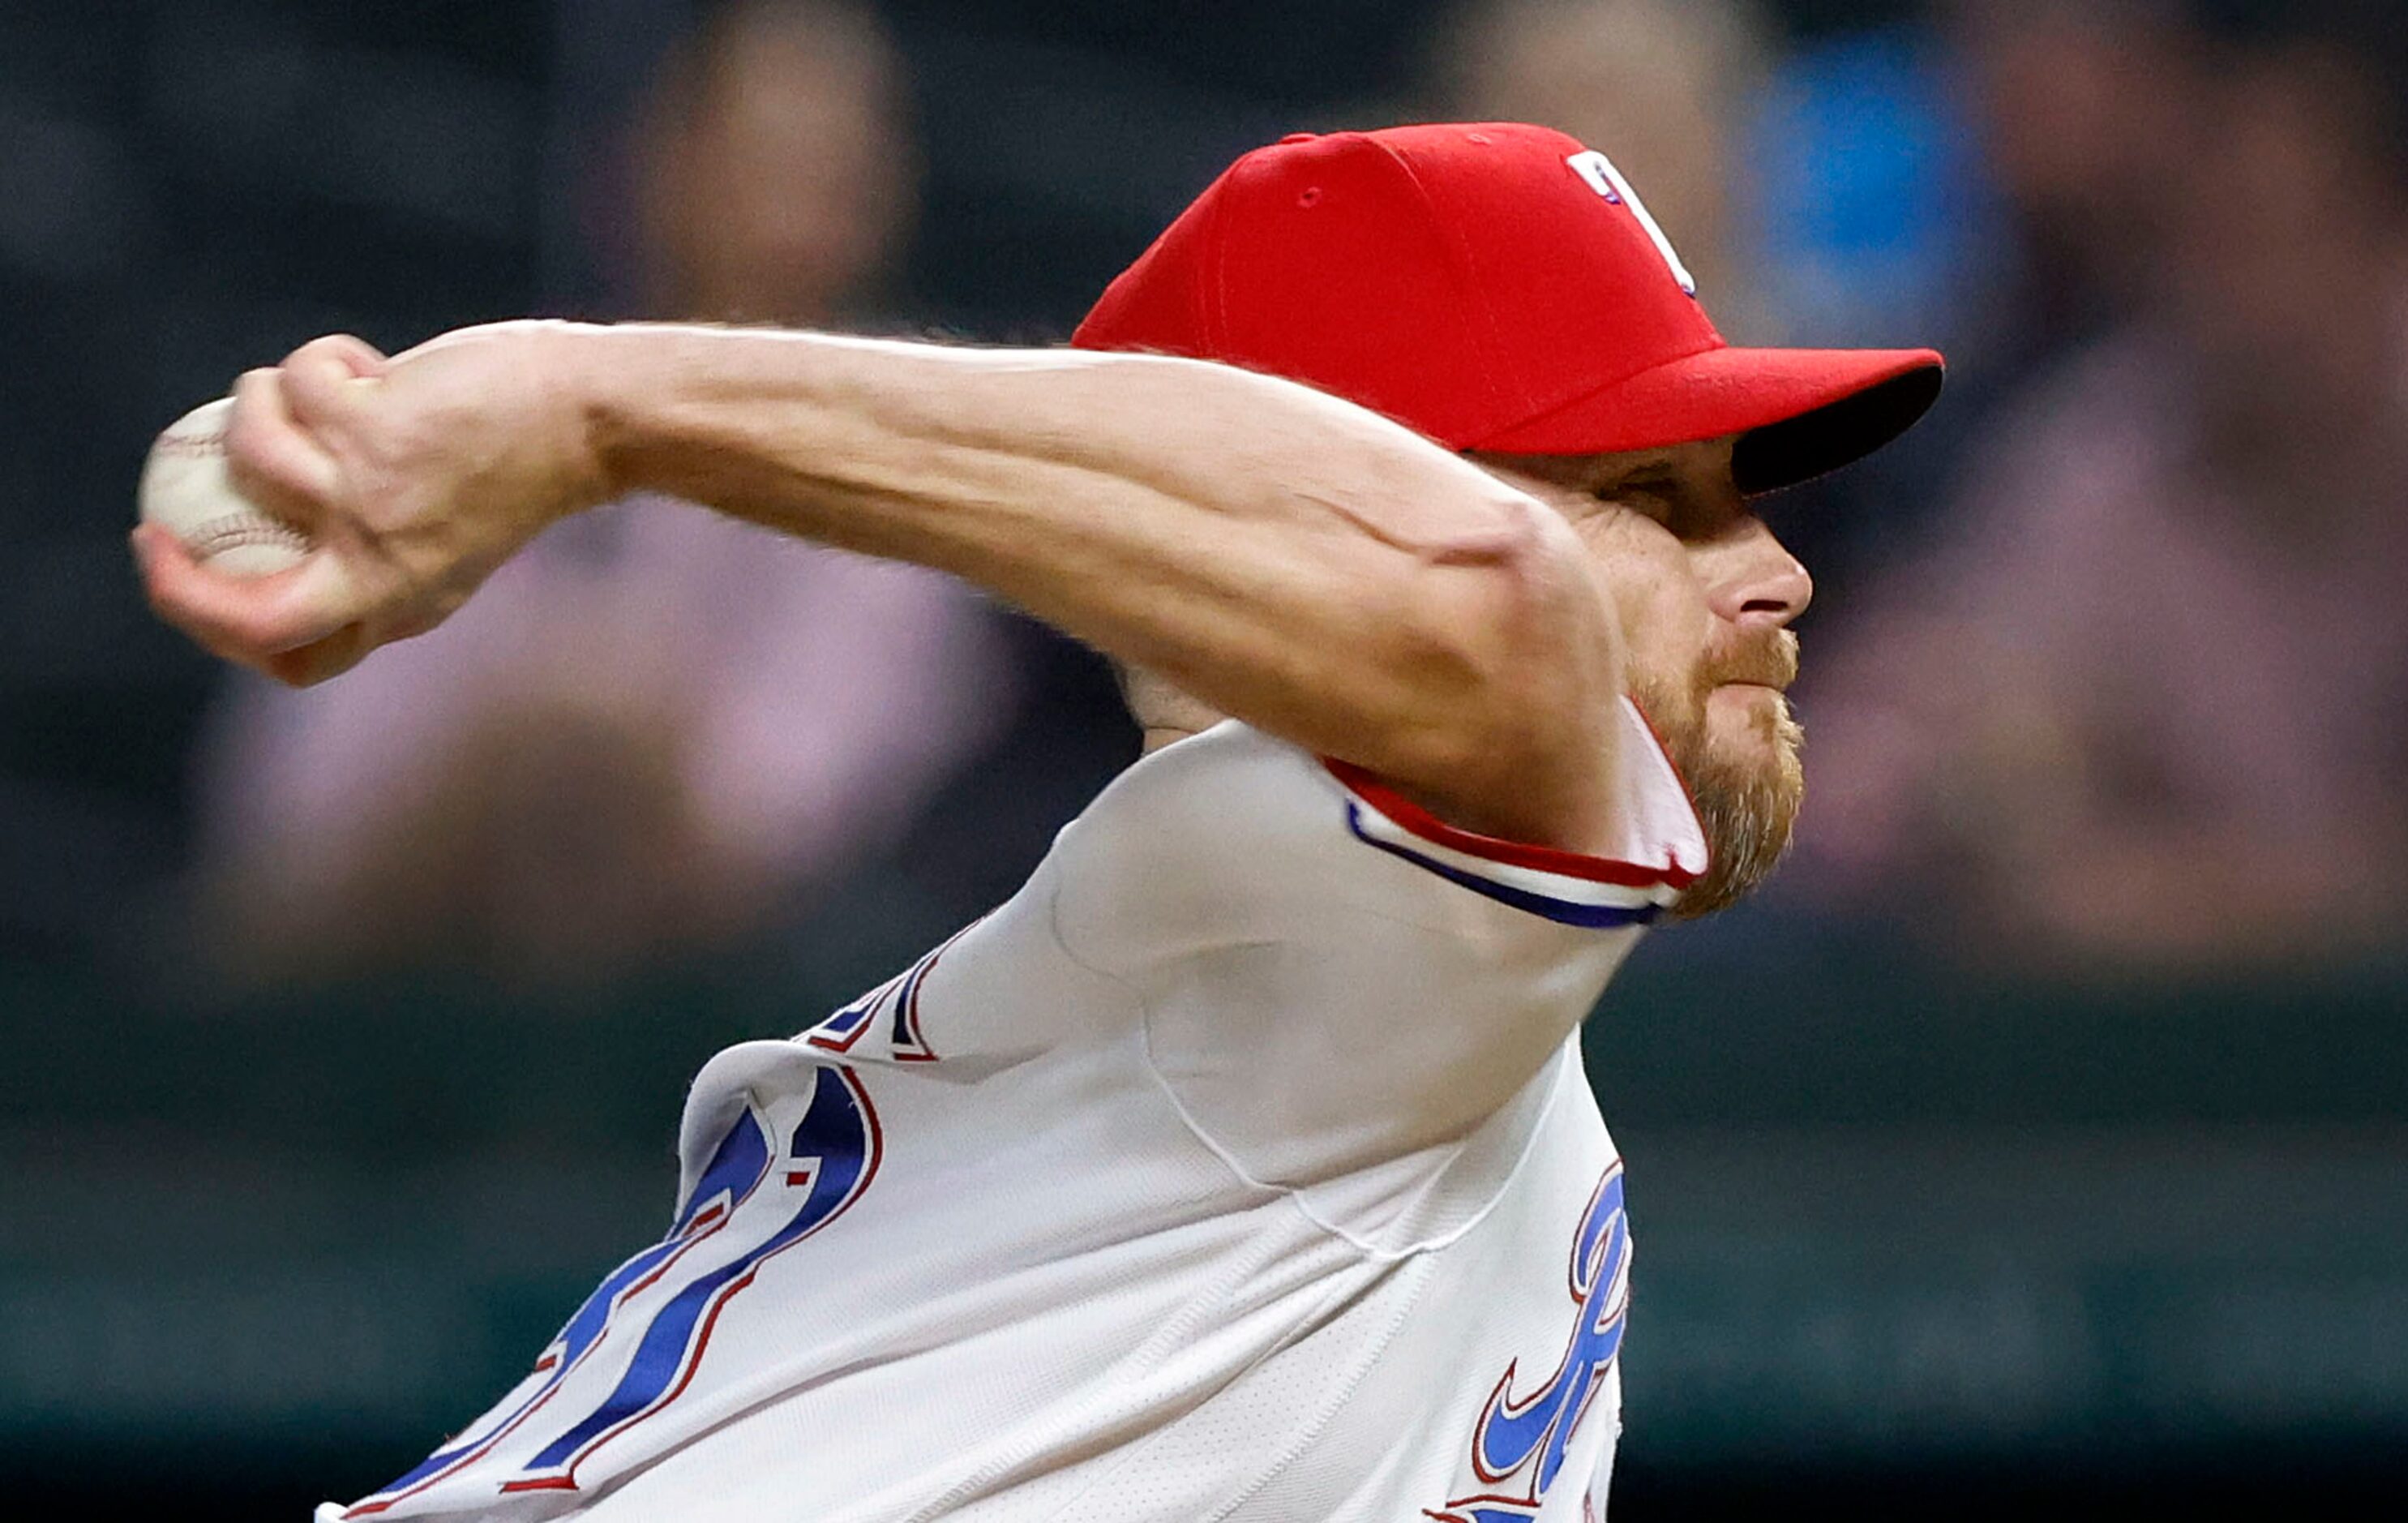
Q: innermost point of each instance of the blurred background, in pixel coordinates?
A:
(2039, 1141)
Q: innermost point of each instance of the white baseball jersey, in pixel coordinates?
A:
(1241, 1167)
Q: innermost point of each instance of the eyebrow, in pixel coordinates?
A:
(1684, 502)
(1661, 480)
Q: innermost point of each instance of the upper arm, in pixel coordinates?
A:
(1290, 558)
(1366, 594)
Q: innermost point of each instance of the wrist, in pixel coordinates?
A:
(632, 386)
(580, 366)
(695, 411)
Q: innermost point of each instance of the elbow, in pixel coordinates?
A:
(1504, 662)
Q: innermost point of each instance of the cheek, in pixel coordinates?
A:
(1658, 601)
(1665, 627)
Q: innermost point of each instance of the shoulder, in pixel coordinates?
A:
(1234, 809)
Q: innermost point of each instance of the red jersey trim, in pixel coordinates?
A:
(1415, 820)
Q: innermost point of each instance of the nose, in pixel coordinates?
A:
(1752, 580)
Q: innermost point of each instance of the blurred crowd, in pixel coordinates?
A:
(2107, 677)
(656, 726)
(2138, 701)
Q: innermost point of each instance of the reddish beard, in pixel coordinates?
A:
(1747, 802)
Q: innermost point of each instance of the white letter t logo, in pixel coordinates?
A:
(1604, 178)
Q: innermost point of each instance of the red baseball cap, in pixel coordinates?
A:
(1494, 286)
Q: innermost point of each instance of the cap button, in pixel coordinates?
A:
(1299, 137)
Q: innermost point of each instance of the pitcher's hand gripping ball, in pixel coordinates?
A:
(186, 490)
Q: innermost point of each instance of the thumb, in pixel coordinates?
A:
(249, 619)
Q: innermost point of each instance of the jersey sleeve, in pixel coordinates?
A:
(1329, 975)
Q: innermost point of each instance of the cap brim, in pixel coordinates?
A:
(1799, 413)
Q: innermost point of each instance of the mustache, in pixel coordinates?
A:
(1770, 660)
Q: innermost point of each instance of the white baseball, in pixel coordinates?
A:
(185, 489)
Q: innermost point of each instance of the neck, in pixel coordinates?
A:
(1158, 736)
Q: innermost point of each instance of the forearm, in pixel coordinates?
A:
(1286, 557)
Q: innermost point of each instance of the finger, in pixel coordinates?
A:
(364, 359)
(246, 619)
(270, 458)
(159, 559)
(338, 652)
(414, 624)
(322, 379)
